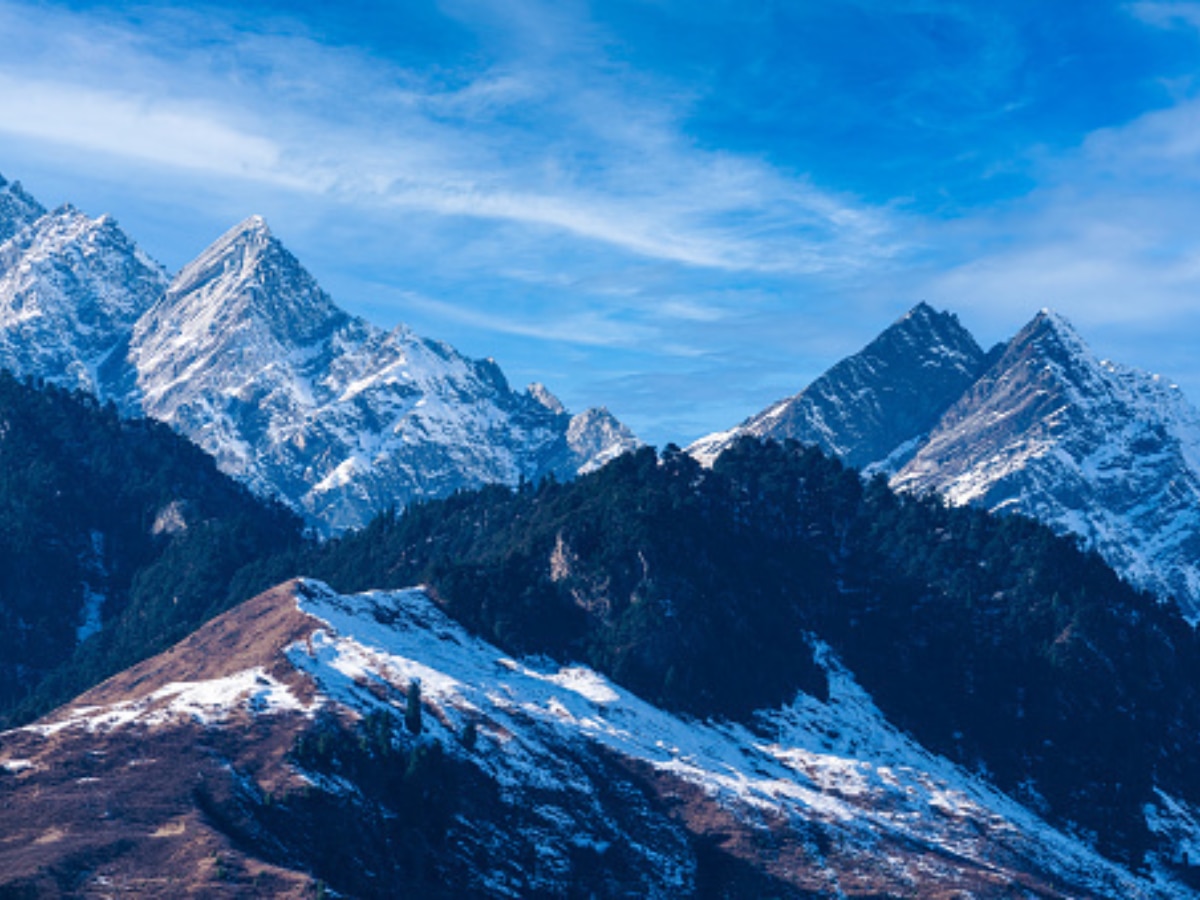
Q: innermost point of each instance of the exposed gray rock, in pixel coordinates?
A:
(71, 289)
(878, 402)
(17, 209)
(1087, 446)
(247, 355)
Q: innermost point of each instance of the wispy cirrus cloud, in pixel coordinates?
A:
(1167, 14)
(631, 196)
(589, 328)
(564, 140)
(136, 127)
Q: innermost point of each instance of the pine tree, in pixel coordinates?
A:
(412, 707)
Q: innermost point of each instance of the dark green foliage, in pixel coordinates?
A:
(412, 708)
(470, 736)
(991, 639)
(408, 794)
(647, 585)
(383, 838)
(412, 778)
(81, 491)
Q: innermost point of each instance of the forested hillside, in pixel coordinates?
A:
(991, 639)
(117, 537)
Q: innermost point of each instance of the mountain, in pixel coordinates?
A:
(1039, 426)
(248, 356)
(877, 403)
(1089, 447)
(989, 639)
(311, 743)
(245, 354)
(71, 289)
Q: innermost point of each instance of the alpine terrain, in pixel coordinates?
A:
(778, 665)
(71, 289)
(1039, 426)
(876, 405)
(311, 743)
(245, 354)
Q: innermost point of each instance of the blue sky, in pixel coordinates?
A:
(680, 210)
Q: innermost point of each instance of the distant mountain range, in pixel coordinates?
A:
(1038, 426)
(242, 352)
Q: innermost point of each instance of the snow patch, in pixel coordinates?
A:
(207, 702)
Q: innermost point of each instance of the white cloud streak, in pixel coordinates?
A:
(1167, 15)
(136, 127)
(591, 155)
(589, 329)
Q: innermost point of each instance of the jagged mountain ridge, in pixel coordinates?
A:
(1040, 427)
(559, 781)
(17, 208)
(245, 354)
(876, 403)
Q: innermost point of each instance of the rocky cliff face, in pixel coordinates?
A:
(17, 209)
(307, 765)
(247, 355)
(1039, 426)
(877, 404)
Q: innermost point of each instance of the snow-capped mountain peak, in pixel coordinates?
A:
(248, 274)
(1090, 447)
(1056, 338)
(1039, 425)
(233, 250)
(596, 437)
(17, 209)
(248, 356)
(71, 289)
(545, 397)
(244, 353)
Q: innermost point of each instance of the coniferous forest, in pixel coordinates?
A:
(992, 640)
(124, 512)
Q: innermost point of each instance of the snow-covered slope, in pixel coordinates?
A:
(247, 355)
(71, 289)
(572, 783)
(1106, 452)
(877, 403)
